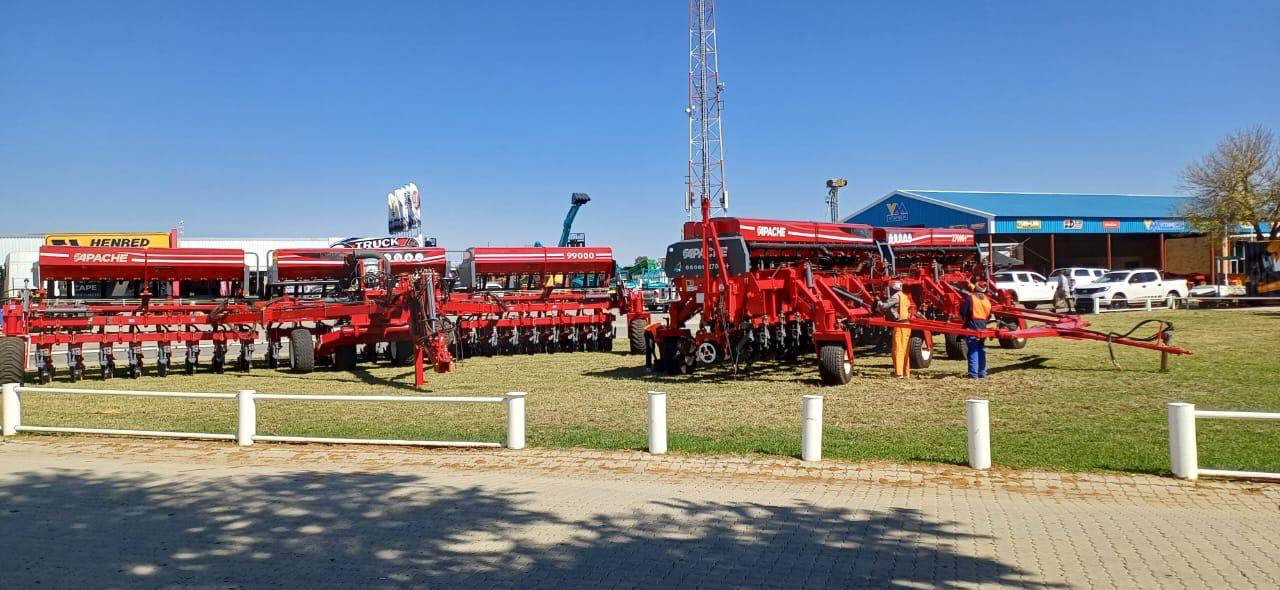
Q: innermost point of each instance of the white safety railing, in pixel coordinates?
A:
(1184, 461)
(247, 415)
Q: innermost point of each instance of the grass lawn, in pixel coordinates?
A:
(1056, 404)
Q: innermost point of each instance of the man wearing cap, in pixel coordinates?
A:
(899, 308)
(976, 312)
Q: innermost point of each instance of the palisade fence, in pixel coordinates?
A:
(247, 415)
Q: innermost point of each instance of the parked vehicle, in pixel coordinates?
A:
(1078, 275)
(1029, 288)
(1120, 288)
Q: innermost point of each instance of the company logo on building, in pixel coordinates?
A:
(1110, 224)
(123, 240)
(371, 243)
(1164, 224)
(896, 212)
(1072, 224)
(1027, 224)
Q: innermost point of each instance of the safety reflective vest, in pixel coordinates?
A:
(904, 306)
(981, 308)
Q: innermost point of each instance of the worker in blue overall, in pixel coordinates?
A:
(975, 310)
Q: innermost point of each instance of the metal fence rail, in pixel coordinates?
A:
(1183, 458)
(247, 415)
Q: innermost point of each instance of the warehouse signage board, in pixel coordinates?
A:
(1163, 225)
(376, 243)
(1072, 224)
(110, 240)
(1027, 224)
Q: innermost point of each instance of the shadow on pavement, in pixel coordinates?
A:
(319, 530)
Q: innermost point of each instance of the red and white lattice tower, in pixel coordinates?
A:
(706, 142)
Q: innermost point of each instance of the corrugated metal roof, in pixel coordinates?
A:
(998, 204)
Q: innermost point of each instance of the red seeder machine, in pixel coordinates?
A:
(333, 306)
(775, 289)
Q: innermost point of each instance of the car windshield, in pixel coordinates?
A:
(1113, 277)
(1004, 278)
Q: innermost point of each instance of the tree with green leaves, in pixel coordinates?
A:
(1236, 184)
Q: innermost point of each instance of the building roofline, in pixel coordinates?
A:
(1061, 194)
(931, 200)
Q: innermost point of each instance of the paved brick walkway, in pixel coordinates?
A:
(88, 513)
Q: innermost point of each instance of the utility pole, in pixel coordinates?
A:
(706, 146)
(833, 197)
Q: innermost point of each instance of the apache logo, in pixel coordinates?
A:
(772, 231)
(896, 212)
(101, 258)
(696, 253)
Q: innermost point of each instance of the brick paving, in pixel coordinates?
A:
(98, 512)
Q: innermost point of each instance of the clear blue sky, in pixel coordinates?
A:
(264, 119)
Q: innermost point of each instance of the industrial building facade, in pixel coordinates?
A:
(1055, 230)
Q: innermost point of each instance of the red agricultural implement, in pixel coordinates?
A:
(774, 289)
(326, 303)
(537, 300)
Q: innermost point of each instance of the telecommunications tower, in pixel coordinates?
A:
(706, 145)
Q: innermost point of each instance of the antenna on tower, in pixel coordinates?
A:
(706, 147)
(833, 197)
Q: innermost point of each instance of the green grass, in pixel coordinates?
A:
(1056, 404)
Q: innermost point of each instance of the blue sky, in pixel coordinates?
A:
(257, 118)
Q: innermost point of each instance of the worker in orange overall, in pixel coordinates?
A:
(899, 308)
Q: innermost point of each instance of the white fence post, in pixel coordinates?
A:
(657, 422)
(515, 419)
(979, 418)
(247, 417)
(11, 407)
(1183, 461)
(811, 433)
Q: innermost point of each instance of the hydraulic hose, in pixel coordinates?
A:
(1164, 333)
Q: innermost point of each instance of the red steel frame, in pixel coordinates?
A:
(403, 301)
(810, 284)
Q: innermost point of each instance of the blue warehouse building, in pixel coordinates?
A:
(1053, 230)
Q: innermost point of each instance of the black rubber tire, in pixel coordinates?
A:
(1012, 343)
(833, 365)
(13, 360)
(402, 353)
(1031, 305)
(344, 358)
(955, 346)
(1119, 301)
(302, 351)
(919, 352)
(1172, 300)
(635, 332)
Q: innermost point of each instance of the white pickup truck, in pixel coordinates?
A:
(1120, 288)
(1029, 288)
